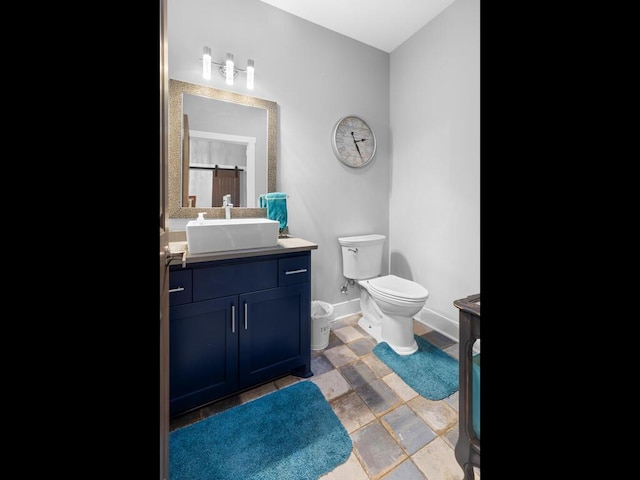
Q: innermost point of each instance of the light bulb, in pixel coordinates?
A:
(229, 71)
(250, 74)
(206, 63)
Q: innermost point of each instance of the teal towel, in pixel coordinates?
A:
(475, 400)
(276, 205)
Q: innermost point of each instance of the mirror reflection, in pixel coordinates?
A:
(226, 151)
(219, 143)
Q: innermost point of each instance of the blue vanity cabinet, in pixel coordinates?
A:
(244, 322)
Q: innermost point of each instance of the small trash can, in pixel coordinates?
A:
(321, 316)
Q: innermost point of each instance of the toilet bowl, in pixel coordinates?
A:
(388, 303)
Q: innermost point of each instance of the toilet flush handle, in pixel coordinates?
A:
(354, 250)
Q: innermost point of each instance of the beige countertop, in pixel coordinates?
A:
(179, 254)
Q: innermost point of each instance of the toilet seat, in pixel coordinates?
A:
(396, 289)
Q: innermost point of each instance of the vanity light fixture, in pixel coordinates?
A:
(227, 69)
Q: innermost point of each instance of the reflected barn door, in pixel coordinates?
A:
(225, 181)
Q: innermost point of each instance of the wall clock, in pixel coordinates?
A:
(353, 141)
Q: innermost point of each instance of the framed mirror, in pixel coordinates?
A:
(220, 143)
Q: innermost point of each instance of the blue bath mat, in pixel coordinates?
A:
(429, 371)
(290, 434)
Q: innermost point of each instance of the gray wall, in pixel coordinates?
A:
(434, 203)
(410, 191)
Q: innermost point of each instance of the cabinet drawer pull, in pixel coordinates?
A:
(233, 319)
(291, 272)
(245, 316)
(179, 289)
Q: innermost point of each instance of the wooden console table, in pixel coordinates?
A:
(467, 449)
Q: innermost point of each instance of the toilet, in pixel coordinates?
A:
(388, 303)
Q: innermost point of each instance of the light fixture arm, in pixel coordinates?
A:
(223, 69)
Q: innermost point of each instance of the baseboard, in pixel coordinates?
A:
(346, 309)
(446, 326)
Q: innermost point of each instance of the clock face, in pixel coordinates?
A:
(353, 141)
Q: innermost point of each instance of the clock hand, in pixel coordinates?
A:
(354, 138)
(356, 144)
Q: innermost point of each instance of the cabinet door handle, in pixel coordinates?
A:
(292, 272)
(233, 318)
(245, 315)
(179, 289)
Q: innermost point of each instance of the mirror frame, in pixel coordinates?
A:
(176, 89)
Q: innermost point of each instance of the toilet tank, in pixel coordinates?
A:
(362, 256)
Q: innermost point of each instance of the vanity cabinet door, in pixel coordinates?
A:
(274, 334)
(203, 352)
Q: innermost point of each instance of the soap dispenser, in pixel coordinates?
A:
(201, 218)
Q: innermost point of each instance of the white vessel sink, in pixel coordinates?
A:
(219, 235)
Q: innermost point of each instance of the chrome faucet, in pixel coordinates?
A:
(226, 203)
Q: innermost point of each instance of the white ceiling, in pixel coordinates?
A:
(383, 24)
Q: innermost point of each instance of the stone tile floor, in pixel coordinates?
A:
(396, 433)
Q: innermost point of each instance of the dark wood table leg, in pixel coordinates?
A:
(467, 450)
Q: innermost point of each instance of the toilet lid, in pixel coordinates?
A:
(393, 286)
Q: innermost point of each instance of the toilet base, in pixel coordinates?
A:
(396, 331)
(405, 350)
(376, 332)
